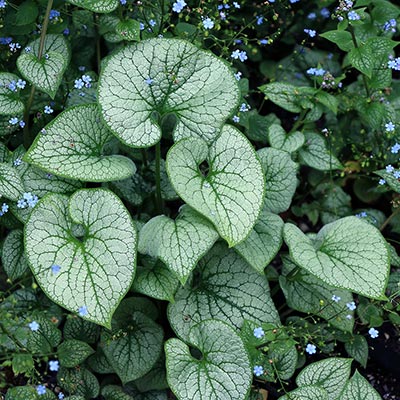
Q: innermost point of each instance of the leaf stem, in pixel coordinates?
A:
(27, 138)
(158, 178)
(389, 218)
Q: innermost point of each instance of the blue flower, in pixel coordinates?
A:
(382, 181)
(14, 47)
(141, 26)
(61, 396)
(236, 4)
(353, 16)
(311, 349)
(235, 119)
(325, 12)
(66, 31)
(55, 269)
(244, 107)
(312, 15)
(48, 110)
(82, 311)
(259, 19)
(241, 55)
(34, 326)
(3, 4)
(54, 14)
(208, 23)
(149, 81)
(389, 168)
(258, 332)
(351, 306)
(310, 32)
(22, 203)
(238, 75)
(21, 124)
(79, 84)
(390, 126)
(41, 389)
(336, 299)
(87, 79)
(152, 23)
(54, 365)
(123, 2)
(374, 333)
(4, 208)
(390, 25)
(21, 84)
(178, 6)
(395, 148)
(13, 121)
(258, 370)
(5, 40)
(13, 86)
(396, 174)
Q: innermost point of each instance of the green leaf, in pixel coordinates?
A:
(78, 328)
(315, 154)
(134, 348)
(12, 255)
(156, 281)
(98, 363)
(129, 30)
(284, 355)
(28, 393)
(358, 388)
(231, 195)
(264, 241)
(22, 363)
(307, 393)
(393, 182)
(282, 94)
(306, 293)
(341, 38)
(78, 381)
(72, 352)
(73, 147)
(192, 84)
(10, 182)
(222, 372)
(92, 238)
(179, 244)
(10, 104)
(331, 374)
(279, 139)
(348, 253)
(98, 6)
(27, 13)
(129, 392)
(45, 74)
(45, 338)
(224, 287)
(280, 179)
(257, 125)
(357, 347)
(155, 379)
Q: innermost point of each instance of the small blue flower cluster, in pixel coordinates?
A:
(394, 63)
(83, 81)
(390, 25)
(316, 71)
(310, 32)
(54, 15)
(178, 6)
(239, 55)
(15, 85)
(243, 108)
(28, 200)
(208, 23)
(3, 4)
(4, 209)
(15, 121)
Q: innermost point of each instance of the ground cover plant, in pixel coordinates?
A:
(199, 199)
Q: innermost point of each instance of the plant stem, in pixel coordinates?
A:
(158, 178)
(391, 216)
(27, 138)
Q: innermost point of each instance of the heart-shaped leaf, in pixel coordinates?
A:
(11, 185)
(264, 241)
(10, 104)
(231, 194)
(279, 139)
(129, 30)
(73, 144)
(98, 6)
(357, 347)
(358, 388)
(348, 253)
(134, 348)
(52, 42)
(161, 77)
(280, 178)
(331, 374)
(79, 382)
(45, 73)
(224, 287)
(222, 372)
(12, 255)
(82, 251)
(28, 393)
(72, 352)
(179, 244)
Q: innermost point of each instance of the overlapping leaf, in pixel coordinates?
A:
(146, 81)
(224, 370)
(180, 243)
(224, 287)
(92, 241)
(10, 104)
(98, 6)
(12, 255)
(72, 147)
(231, 193)
(11, 185)
(348, 253)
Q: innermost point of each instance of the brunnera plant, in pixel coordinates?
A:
(150, 230)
